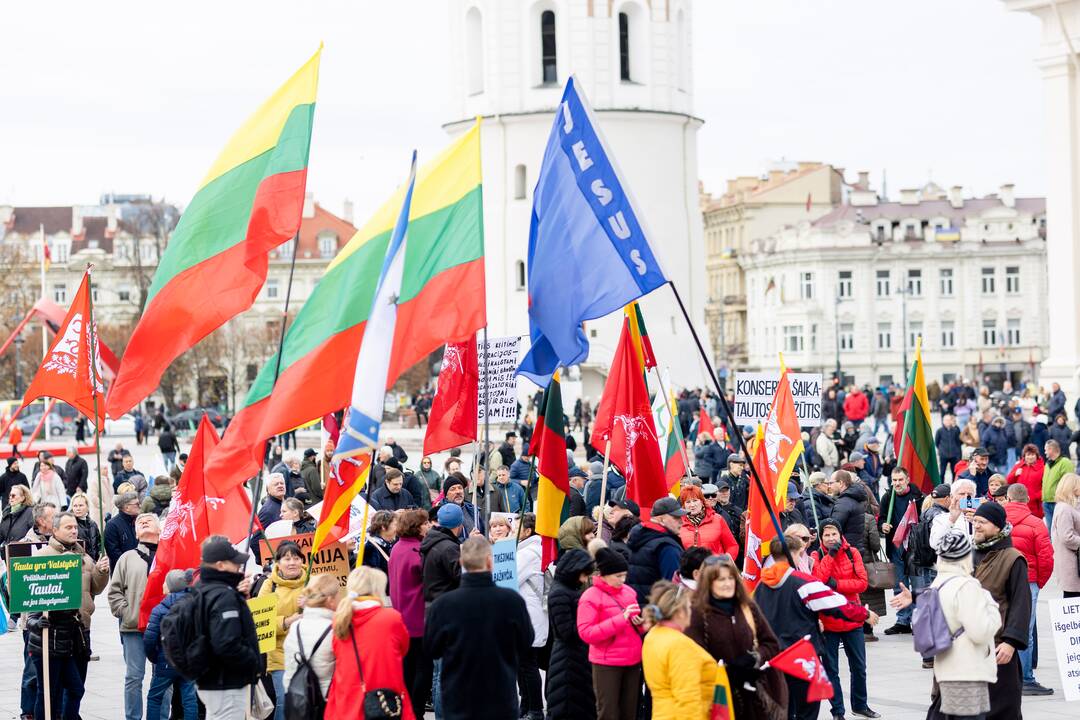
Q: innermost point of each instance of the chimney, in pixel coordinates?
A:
(347, 211)
(864, 180)
(956, 196)
(776, 176)
(76, 221)
(309, 205)
(909, 196)
(112, 213)
(1007, 195)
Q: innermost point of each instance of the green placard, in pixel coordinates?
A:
(43, 583)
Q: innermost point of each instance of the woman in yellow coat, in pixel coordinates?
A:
(680, 674)
(286, 580)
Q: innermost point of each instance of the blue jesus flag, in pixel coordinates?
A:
(588, 253)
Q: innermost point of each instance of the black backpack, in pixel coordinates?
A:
(303, 697)
(919, 549)
(183, 636)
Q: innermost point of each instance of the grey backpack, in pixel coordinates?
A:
(929, 627)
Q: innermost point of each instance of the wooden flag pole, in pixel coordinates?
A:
(98, 419)
(525, 500)
(45, 667)
(362, 545)
(603, 478)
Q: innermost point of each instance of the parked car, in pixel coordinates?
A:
(57, 427)
(189, 419)
(123, 425)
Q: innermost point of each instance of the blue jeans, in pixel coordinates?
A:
(29, 678)
(170, 460)
(165, 677)
(135, 660)
(855, 649)
(278, 678)
(66, 687)
(1025, 655)
(436, 688)
(1048, 515)
(903, 617)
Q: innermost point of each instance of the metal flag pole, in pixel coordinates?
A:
(98, 419)
(44, 325)
(487, 433)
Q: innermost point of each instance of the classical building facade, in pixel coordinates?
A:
(857, 287)
(754, 207)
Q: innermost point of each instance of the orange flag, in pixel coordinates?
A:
(760, 530)
(65, 372)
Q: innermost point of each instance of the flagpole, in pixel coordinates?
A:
(675, 426)
(44, 324)
(362, 545)
(487, 432)
(94, 392)
(525, 500)
(738, 435)
(603, 478)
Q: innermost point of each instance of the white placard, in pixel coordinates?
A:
(1065, 625)
(502, 361)
(754, 393)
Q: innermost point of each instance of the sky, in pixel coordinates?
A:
(137, 97)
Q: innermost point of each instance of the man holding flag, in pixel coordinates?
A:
(900, 510)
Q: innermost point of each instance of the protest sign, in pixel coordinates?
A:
(754, 393)
(333, 559)
(1065, 624)
(263, 612)
(43, 583)
(502, 361)
(504, 571)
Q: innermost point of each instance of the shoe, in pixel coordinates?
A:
(837, 717)
(870, 637)
(867, 713)
(928, 664)
(1037, 689)
(899, 629)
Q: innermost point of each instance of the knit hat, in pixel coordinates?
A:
(450, 482)
(993, 512)
(956, 544)
(830, 522)
(177, 580)
(450, 516)
(609, 562)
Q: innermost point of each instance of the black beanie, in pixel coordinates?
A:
(609, 562)
(450, 482)
(993, 512)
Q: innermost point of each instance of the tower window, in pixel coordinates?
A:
(547, 48)
(474, 52)
(624, 47)
(519, 275)
(519, 182)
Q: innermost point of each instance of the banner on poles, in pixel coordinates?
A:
(332, 559)
(44, 583)
(504, 569)
(1065, 624)
(502, 361)
(754, 394)
(263, 612)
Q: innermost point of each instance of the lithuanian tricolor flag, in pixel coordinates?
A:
(722, 706)
(549, 446)
(639, 336)
(441, 301)
(917, 453)
(215, 263)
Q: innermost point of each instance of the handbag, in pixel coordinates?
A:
(261, 706)
(880, 574)
(380, 703)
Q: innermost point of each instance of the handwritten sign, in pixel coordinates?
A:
(263, 612)
(1065, 624)
(754, 393)
(333, 559)
(43, 583)
(502, 361)
(504, 571)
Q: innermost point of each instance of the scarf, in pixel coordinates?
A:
(991, 541)
(696, 519)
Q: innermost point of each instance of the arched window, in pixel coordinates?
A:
(624, 47)
(474, 52)
(519, 182)
(519, 275)
(680, 51)
(548, 73)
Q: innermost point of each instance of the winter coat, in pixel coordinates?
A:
(381, 642)
(1030, 537)
(709, 459)
(981, 479)
(128, 584)
(509, 497)
(76, 473)
(679, 673)
(966, 604)
(119, 536)
(1017, 432)
(613, 640)
(969, 435)
(531, 586)
(823, 505)
(842, 570)
(899, 508)
(308, 628)
(430, 479)
(130, 476)
(14, 526)
(480, 632)
(49, 487)
(90, 536)
(1039, 436)
(407, 584)
(288, 595)
(234, 660)
(655, 553)
(270, 510)
(948, 443)
(309, 473)
(440, 553)
(67, 637)
(167, 442)
(1052, 474)
(827, 451)
(1065, 534)
(383, 499)
(93, 580)
(568, 696)
(157, 500)
(850, 511)
(995, 441)
(9, 480)
(856, 407)
(152, 634)
(1062, 434)
(1031, 477)
(712, 533)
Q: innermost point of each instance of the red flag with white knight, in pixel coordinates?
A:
(65, 372)
(903, 529)
(760, 529)
(625, 417)
(453, 420)
(800, 660)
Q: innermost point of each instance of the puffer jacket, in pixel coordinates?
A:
(14, 526)
(655, 553)
(711, 533)
(680, 674)
(152, 636)
(1030, 537)
(568, 698)
(440, 555)
(1031, 477)
(157, 500)
(234, 660)
(966, 604)
(531, 586)
(843, 571)
(288, 595)
(93, 580)
(613, 639)
(91, 536)
(850, 511)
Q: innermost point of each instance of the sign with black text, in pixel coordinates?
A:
(754, 394)
(1065, 625)
(45, 582)
(502, 361)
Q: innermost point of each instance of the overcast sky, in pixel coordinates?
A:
(131, 97)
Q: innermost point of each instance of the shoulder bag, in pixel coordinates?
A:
(381, 703)
(880, 573)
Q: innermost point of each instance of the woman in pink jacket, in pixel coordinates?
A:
(609, 621)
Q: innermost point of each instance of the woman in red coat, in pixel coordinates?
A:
(1028, 471)
(702, 527)
(365, 629)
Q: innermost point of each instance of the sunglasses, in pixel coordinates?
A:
(805, 538)
(711, 496)
(718, 559)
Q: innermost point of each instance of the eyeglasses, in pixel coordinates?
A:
(718, 559)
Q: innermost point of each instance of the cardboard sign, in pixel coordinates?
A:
(504, 570)
(1065, 624)
(754, 393)
(43, 583)
(333, 559)
(264, 612)
(502, 361)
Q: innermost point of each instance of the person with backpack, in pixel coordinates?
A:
(177, 585)
(286, 581)
(309, 650)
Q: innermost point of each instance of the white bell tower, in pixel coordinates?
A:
(510, 60)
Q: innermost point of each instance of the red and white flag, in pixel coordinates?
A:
(453, 417)
(903, 528)
(800, 660)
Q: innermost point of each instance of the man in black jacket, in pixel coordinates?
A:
(949, 449)
(849, 509)
(440, 553)
(655, 548)
(894, 507)
(478, 632)
(392, 496)
(234, 663)
(75, 472)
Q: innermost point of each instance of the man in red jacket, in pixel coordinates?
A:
(1030, 537)
(840, 566)
(856, 406)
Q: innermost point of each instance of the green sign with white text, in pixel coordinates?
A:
(43, 583)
